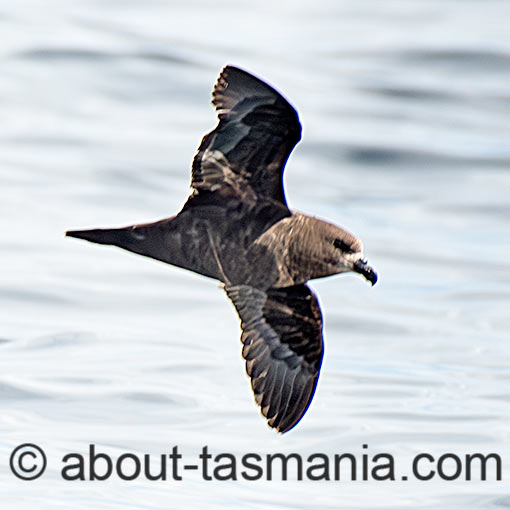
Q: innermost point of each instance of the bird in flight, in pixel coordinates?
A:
(236, 227)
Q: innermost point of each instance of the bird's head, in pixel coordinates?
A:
(345, 253)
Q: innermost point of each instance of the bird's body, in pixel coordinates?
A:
(236, 228)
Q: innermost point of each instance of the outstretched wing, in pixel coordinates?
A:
(283, 348)
(256, 132)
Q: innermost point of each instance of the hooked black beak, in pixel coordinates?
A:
(361, 266)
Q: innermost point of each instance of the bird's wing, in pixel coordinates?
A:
(283, 348)
(256, 132)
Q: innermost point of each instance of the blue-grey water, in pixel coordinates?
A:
(405, 109)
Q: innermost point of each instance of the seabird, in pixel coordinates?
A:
(236, 227)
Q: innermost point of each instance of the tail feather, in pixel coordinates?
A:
(114, 236)
(163, 240)
(145, 239)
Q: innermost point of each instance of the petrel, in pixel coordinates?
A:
(236, 227)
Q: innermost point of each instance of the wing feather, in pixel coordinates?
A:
(245, 154)
(283, 348)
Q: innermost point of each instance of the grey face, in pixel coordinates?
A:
(324, 249)
(350, 256)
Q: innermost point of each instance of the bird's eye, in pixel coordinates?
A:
(342, 245)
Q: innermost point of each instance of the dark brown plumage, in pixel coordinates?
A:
(236, 227)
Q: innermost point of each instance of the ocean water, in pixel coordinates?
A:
(405, 109)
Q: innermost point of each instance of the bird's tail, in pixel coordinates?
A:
(166, 240)
(147, 239)
(114, 236)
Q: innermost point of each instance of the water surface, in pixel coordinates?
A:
(405, 109)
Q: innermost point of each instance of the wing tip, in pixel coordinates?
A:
(286, 427)
(219, 98)
(234, 84)
(285, 420)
